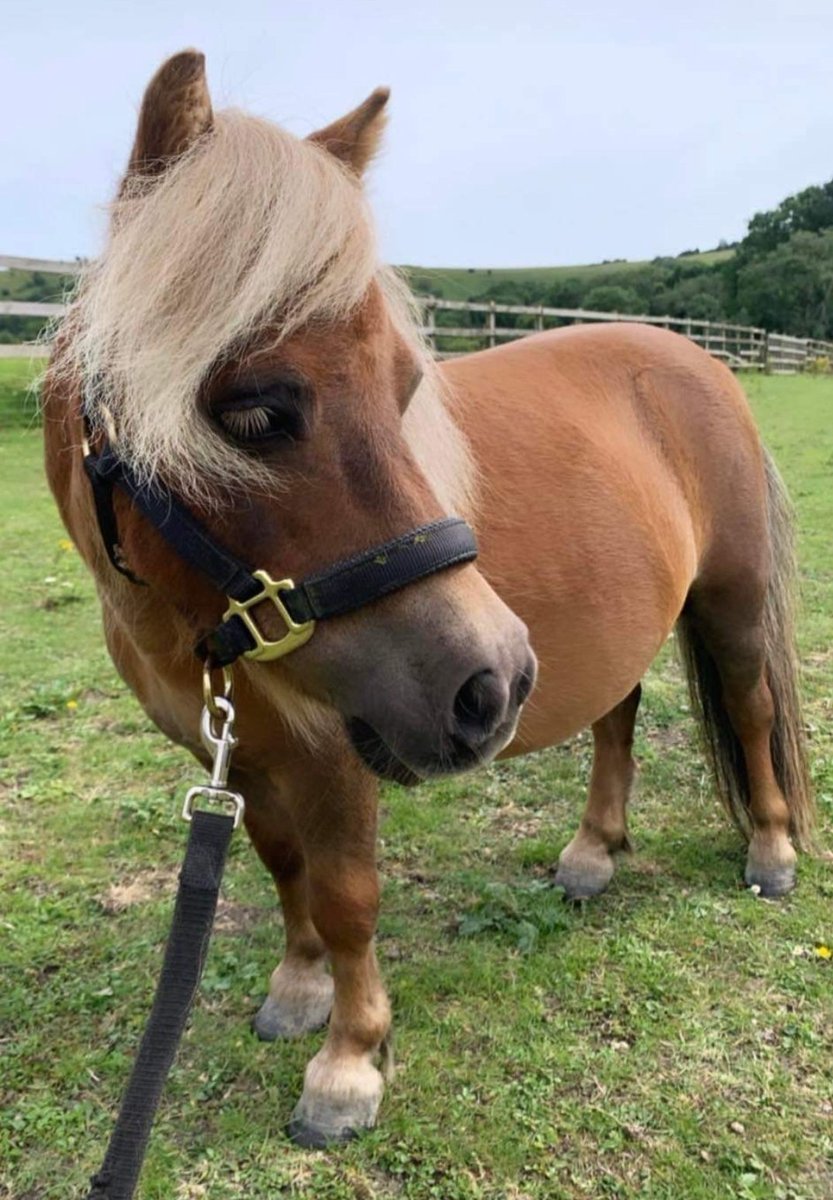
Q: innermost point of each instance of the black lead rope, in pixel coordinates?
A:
(185, 953)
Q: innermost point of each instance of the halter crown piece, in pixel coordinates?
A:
(341, 588)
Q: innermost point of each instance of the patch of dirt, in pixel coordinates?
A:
(144, 886)
(155, 883)
(644, 866)
(517, 820)
(668, 737)
(236, 919)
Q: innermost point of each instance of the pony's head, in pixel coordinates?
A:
(242, 345)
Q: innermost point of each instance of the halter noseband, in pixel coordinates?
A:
(342, 588)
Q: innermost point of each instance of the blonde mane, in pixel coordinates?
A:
(252, 226)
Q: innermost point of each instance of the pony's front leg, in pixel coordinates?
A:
(301, 988)
(336, 815)
(586, 864)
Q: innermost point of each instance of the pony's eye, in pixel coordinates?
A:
(274, 414)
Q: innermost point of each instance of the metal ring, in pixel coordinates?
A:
(208, 692)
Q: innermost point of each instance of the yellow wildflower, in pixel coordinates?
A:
(66, 545)
(72, 704)
(823, 951)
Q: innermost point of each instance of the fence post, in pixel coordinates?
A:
(491, 324)
(539, 319)
(430, 324)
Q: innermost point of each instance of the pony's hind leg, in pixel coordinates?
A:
(301, 989)
(738, 638)
(771, 857)
(586, 865)
(725, 648)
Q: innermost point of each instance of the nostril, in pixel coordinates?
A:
(479, 706)
(523, 687)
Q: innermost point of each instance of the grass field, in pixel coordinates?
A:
(462, 283)
(18, 404)
(668, 1041)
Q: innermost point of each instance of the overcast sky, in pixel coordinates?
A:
(521, 133)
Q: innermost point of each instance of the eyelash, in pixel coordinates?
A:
(256, 419)
(245, 423)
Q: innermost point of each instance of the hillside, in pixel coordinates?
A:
(469, 283)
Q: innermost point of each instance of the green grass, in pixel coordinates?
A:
(669, 1041)
(18, 406)
(463, 283)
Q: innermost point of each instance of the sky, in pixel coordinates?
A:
(529, 133)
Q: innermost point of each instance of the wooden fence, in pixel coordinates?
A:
(32, 308)
(457, 326)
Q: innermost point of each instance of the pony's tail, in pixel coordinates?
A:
(788, 747)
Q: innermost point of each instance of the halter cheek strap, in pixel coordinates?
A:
(342, 588)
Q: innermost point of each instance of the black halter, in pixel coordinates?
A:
(340, 589)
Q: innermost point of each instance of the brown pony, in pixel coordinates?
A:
(239, 342)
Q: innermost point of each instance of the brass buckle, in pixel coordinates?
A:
(296, 635)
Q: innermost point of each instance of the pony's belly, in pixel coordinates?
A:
(580, 681)
(598, 605)
(569, 697)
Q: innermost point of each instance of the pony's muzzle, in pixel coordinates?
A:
(481, 720)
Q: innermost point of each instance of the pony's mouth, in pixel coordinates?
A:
(454, 758)
(376, 754)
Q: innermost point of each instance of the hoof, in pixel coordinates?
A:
(772, 881)
(320, 1124)
(316, 1137)
(582, 882)
(340, 1101)
(274, 1020)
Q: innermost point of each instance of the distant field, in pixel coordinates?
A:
(16, 284)
(461, 283)
(668, 1041)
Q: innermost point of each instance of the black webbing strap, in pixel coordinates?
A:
(339, 589)
(102, 486)
(180, 528)
(196, 901)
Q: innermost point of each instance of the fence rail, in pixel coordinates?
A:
(457, 326)
(742, 347)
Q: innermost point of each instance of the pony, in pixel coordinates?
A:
(239, 342)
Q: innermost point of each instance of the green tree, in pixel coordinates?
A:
(790, 288)
(611, 298)
(810, 210)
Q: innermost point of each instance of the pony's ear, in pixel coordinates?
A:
(355, 138)
(175, 111)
